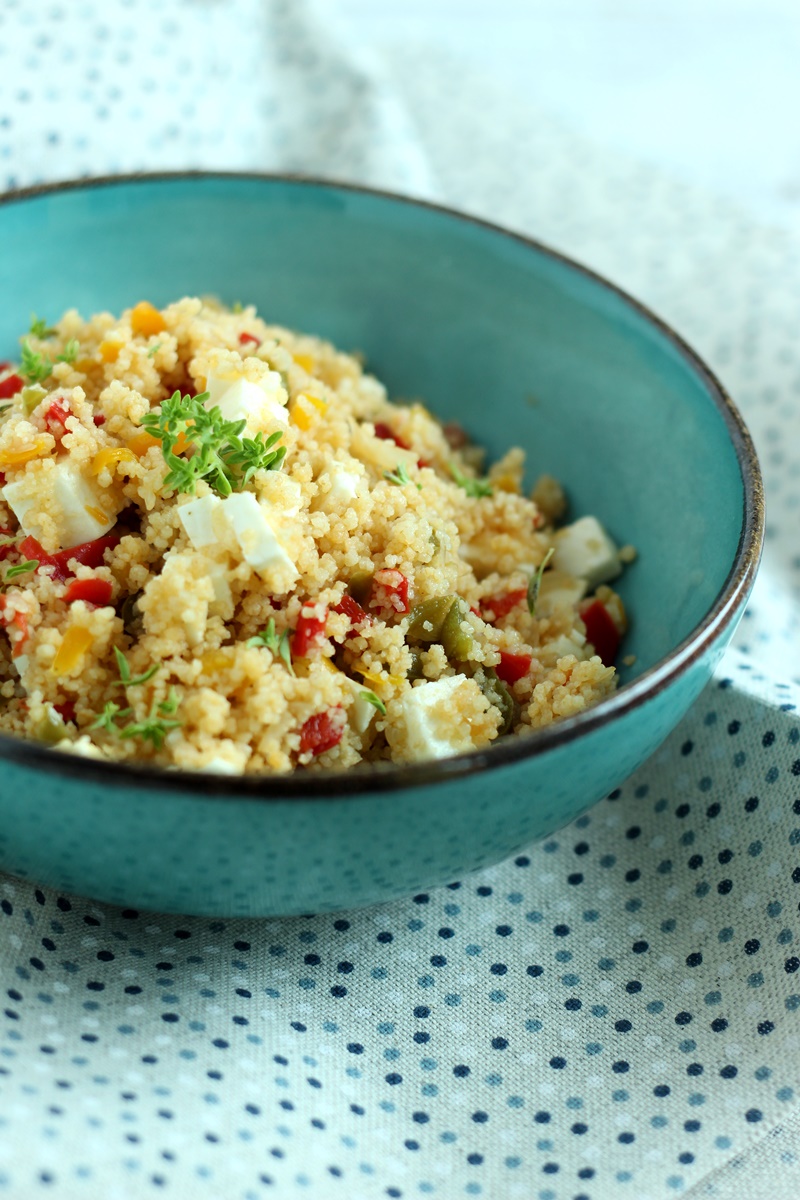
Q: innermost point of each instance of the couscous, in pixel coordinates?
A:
(223, 548)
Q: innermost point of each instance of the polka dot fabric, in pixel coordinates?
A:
(615, 1012)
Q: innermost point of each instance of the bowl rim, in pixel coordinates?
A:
(368, 780)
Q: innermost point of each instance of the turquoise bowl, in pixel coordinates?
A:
(520, 345)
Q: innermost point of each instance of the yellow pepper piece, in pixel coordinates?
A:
(393, 680)
(140, 443)
(109, 350)
(147, 320)
(304, 361)
(17, 458)
(305, 411)
(110, 456)
(215, 660)
(75, 643)
(506, 483)
(96, 514)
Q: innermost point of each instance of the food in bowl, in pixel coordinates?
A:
(224, 548)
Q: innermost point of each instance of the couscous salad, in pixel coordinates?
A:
(223, 548)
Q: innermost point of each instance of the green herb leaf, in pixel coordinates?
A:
(6, 406)
(125, 678)
(70, 351)
(151, 353)
(22, 568)
(237, 306)
(152, 729)
(168, 707)
(400, 477)
(39, 328)
(475, 488)
(219, 453)
(376, 701)
(279, 647)
(536, 582)
(108, 718)
(34, 367)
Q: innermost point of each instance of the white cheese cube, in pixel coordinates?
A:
(433, 729)
(197, 518)
(259, 404)
(257, 541)
(559, 591)
(344, 488)
(70, 500)
(585, 551)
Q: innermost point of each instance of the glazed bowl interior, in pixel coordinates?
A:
(506, 338)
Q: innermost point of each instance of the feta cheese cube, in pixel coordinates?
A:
(70, 500)
(585, 551)
(429, 713)
(237, 398)
(344, 488)
(197, 518)
(254, 534)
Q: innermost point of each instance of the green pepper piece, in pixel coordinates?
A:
(50, 727)
(415, 670)
(458, 642)
(132, 619)
(427, 618)
(499, 695)
(360, 586)
(32, 396)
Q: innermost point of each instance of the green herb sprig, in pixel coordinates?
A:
(536, 582)
(476, 489)
(70, 351)
(374, 700)
(279, 646)
(219, 455)
(127, 680)
(400, 476)
(35, 367)
(40, 329)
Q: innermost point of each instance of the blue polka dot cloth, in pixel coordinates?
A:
(615, 1012)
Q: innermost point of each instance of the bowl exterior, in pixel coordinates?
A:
(155, 848)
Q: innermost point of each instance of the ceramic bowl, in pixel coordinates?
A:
(520, 345)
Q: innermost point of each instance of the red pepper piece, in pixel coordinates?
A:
(352, 609)
(56, 419)
(10, 386)
(99, 419)
(244, 338)
(601, 632)
(66, 710)
(389, 590)
(89, 554)
(96, 592)
(323, 731)
(382, 430)
(20, 620)
(494, 608)
(310, 629)
(513, 666)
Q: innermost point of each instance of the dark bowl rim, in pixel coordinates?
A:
(364, 781)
